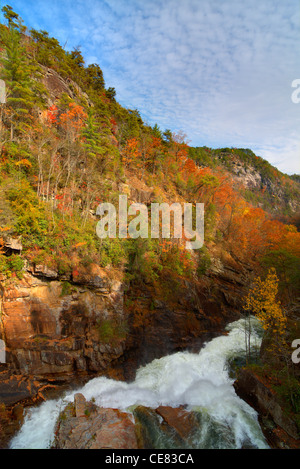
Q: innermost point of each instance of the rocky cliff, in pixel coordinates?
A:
(54, 326)
(278, 426)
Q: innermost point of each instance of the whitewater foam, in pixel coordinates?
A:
(201, 382)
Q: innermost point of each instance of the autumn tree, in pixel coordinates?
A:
(131, 153)
(179, 145)
(262, 301)
(68, 152)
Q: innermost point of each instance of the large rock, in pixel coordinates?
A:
(85, 426)
(16, 388)
(142, 196)
(183, 422)
(42, 270)
(13, 244)
(94, 276)
(165, 427)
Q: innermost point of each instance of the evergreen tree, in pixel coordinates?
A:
(16, 73)
(95, 77)
(11, 17)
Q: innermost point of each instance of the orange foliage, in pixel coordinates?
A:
(131, 152)
(73, 118)
(71, 121)
(52, 114)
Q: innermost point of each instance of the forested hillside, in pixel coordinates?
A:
(66, 145)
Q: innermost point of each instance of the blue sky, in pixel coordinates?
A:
(221, 71)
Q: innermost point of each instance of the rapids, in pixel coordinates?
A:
(201, 382)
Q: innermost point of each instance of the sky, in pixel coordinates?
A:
(220, 71)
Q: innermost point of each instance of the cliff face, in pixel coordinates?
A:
(51, 333)
(279, 199)
(54, 330)
(279, 428)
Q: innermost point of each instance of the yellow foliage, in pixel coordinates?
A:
(24, 162)
(261, 301)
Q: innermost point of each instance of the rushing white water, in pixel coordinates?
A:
(201, 382)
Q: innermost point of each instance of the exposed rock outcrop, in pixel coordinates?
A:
(13, 245)
(165, 427)
(51, 325)
(83, 425)
(279, 428)
(56, 86)
(51, 329)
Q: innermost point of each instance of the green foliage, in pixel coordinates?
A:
(179, 181)
(110, 93)
(97, 145)
(111, 330)
(151, 260)
(66, 288)
(177, 261)
(31, 220)
(209, 219)
(157, 132)
(95, 78)
(17, 75)
(204, 261)
(295, 177)
(287, 266)
(284, 385)
(13, 264)
(143, 264)
(289, 391)
(202, 156)
(112, 252)
(11, 17)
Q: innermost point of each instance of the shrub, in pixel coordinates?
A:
(112, 252)
(111, 330)
(13, 264)
(204, 261)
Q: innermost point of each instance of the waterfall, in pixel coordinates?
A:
(201, 382)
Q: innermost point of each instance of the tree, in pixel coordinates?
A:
(167, 137)
(288, 268)
(49, 53)
(76, 57)
(110, 93)
(179, 145)
(262, 301)
(96, 145)
(131, 153)
(17, 74)
(157, 132)
(95, 77)
(10, 16)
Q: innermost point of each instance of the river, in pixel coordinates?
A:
(201, 382)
